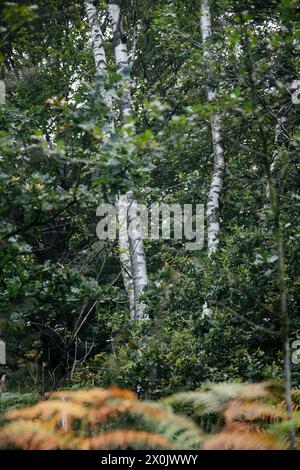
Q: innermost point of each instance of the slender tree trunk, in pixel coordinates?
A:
(214, 196)
(276, 154)
(2, 382)
(121, 56)
(124, 252)
(135, 245)
(273, 204)
(97, 37)
(99, 57)
(278, 236)
(101, 68)
(216, 185)
(138, 259)
(284, 312)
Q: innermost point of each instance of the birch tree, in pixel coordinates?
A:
(215, 191)
(99, 57)
(97, 37)
(137, 261)
(214, 196)
(101, 68)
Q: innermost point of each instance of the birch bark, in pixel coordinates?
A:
(124, 252)
(101, 68)
(99, 57)
(216, 186)
(97, 37)
(138, 259)
(135, 245)
(121, 56)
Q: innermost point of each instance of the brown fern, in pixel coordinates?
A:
(253, 416)
(238, 410)
(242, 441)
(30, 435)
(122, 439)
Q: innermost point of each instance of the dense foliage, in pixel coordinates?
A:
(64, 309)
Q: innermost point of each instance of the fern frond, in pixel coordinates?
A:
(115, 407)
(95, 396)
(161, 419)
(284, 427)
(30, 435)
(295, 406)
(254, 416)
(213, 398)
(122, 439)
(49, 409)
(250, 411)
(242, 441)
(256, 391)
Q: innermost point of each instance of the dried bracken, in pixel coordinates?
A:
(122, 439)
(252, 417)
(242, 441)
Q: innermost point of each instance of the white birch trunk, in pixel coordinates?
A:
(135, 242)
(97, 37)
(216, 186)
(138, 259)
(215, 192)
(101, 68)
(99, 57)
(121, 56)
(124, 252)
(214, 196)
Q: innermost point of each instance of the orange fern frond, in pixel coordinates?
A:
(296, 394)
(251, 411)
(254, 418)
(100, 415)
(95, 396)
(112, 409)
(163, 420)
(241, 426)
(116, 392)
(49, 409)
(295, 406)
(122, 439)
(242, 441)
(27, 435)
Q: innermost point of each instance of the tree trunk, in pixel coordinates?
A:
(138, 259)
(214, 196)
(2, 382)
(216, 186)
(99, 57)
(97, 37)
(101, 68)
(134, 246)
(124, 252)
(121, 56)
(278, 236)
(279, 131)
